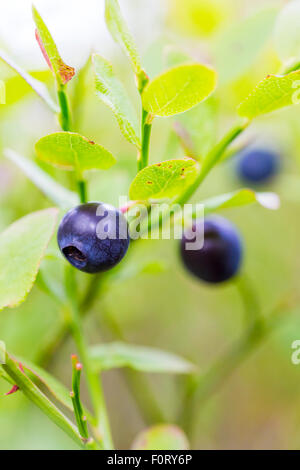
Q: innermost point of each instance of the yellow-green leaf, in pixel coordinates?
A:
(57, 193)
(274, 92)
(36, 85)
(121, 34)
(63, 73)
(164, 180)
(112, 93)
(161, 437)
(115, 355)
(41, 376)
(241, 197)
(72, 151)
(179, 89)
(22, 247)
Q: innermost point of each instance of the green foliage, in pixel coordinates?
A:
(111, 91)
(184, 89)
(286, 33)
(161, 437)
(22, 247)
(71, 151)
(36, 85)
(58, 194)
(239, 198)
(179, 89)
(34, 394)
(41, 376)
(164, 180)
(121, 34)
(63, 73)
(115, 355)
(237, 48)
(200, 124)
(274, 92)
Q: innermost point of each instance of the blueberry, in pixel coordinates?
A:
(257, 165)
(93, 237)
(220, 258)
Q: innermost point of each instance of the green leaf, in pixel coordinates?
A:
(111, 91)
(17, 88)
(56, 388)
(241, 197)
(63, 73)
(34, 394)
(61, 196)
(121, 34)
(38, 86)
(286, 32)
(200, 124)
(164, 180)
(237, 48)
(161, 437)
(274, 92)
(115, 355)
(179, 89)
(72, 151)
(22, 247)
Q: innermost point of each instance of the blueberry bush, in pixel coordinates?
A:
(182, 125)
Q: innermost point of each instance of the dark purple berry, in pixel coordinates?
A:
(257, 165)
(93, 237)
(220, 258)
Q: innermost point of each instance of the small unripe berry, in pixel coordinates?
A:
(220, 258)
(257, 165)
(93, 237)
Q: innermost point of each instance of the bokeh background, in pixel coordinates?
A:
(259, 405)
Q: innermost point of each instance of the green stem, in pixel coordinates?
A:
(213, 157)
(32, 392)
(211, 160)
(75, 395)
(102, 428)
(66, 125)
(65, 115)
(82, 191)
(291, 68)
(143, 157)
(139, 386)
(248, 297)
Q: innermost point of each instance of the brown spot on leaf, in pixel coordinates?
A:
(91, 142)
(158, 164)
(149, 182)
(66, 72)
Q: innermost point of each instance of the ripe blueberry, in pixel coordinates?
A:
(257, 165)
(93, 237)
(221, 255)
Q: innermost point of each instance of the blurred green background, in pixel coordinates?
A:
(259, 406)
